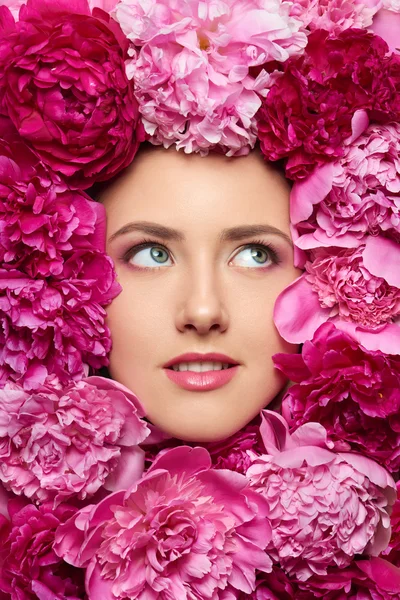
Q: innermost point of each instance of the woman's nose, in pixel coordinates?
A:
(202, 307)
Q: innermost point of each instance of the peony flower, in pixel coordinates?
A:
(237, 452)
(269, 586)
(30, 569)
(324, 508)
(325, 97)
(357, 195)
(63, 84)
(373, 579)
(343, 286)
(61, 442)
(353, 393)
(56, 326)
(42, 223)
(392, 552)
(191, 63)
(182, 531)
(335, 15)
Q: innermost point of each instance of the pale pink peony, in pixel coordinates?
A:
(61, 442)
(343, 286)
(336, 15)
(191, 66)
(182, 531)
(342, 202)
(30, 569)
(324, 507)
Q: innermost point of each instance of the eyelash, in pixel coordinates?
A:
(147, 243)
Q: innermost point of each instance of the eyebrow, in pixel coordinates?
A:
(231, 234)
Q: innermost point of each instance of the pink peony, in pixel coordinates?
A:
(373, 579)
(42, 223)
(353, 393)
(56, 326)
(30, 569)
(191, 63)
(335, 15)
(325, 97)
(349, 290)
(342, 286)
(324, 508)
(358, 194)
(182, 531)
(63, 84)
(65, 442)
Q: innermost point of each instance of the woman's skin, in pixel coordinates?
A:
(197, 290)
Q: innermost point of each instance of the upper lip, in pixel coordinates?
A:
(196, 356)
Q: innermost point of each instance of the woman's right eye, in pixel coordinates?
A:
(148, 256)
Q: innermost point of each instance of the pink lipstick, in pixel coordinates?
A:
(204, 380)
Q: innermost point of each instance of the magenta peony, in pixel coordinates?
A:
(353, 393)
(64, 86)
(66, 442)
(342, 286)
(324, 508)
(357, 195)
(324, 97)
(237, 452)
(42, 224)
(191, 63)
(56, 326)
(182, 531)
(30, 569)
(392, 552)
(373, 579)
(335, 15)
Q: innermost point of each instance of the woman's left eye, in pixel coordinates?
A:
(257, 254)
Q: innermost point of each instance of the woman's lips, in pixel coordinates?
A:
(203, 381)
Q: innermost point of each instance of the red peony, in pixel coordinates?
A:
(352, 392)
(64, 86)
(308, 113)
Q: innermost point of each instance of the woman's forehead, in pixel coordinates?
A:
(173, 185)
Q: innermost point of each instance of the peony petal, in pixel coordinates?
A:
(129, 469)
(96, 586)
(386, 340)
(383, 573)
(298, 313)
(359, 124)
(310, 191)
(382, 259)
(191, 460)
(386, 24)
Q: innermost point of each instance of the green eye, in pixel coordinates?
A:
(159, 254)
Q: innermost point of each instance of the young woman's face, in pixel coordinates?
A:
(202, 249)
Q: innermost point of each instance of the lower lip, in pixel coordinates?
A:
(204, 381)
